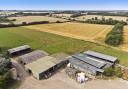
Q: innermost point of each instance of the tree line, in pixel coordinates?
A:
(115, 36)
(95, 20)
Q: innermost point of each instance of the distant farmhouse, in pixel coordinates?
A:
(92, 62)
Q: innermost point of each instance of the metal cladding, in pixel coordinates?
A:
(89, 60)
(102, 56)
(17, 49)
(33, 56)
(92, 62)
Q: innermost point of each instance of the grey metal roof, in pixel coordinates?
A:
(20, 48)
(83, 66)
(89, 60)
(33, 56)
(102, 56)
(42, 64)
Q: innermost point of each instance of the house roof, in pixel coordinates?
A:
(101, 56)
(20, 48)
(33, 56)
(89, 60)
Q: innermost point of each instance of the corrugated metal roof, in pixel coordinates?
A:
(42, 64)
(102, 56)
(84, 65)
(20, 48)
(33, 56)
(89, 60)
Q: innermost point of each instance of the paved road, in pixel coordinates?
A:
(20, 70)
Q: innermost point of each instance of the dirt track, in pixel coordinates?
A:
(62, 81)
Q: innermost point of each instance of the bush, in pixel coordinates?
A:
(24, 23)
(118, 72)
(58, 21)
(109, 71)
(2, 82)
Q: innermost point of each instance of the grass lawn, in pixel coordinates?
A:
(13, 37)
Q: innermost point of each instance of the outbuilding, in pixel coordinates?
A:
(44, 67)
(19, 50)
(32, 56)
(92, 63)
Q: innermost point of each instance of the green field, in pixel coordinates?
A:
(13, 37)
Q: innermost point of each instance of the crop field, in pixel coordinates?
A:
(124, 46)
(82, 31)
(13, 37)
(100, 17)
(34, 18)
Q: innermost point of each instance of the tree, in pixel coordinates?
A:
(96, 18)
(24, 23)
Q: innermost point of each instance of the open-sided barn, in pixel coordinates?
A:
(19, 50)
(32, 56)
(45, 67)
(92, 62)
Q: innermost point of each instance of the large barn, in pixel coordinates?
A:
(92, 62)
(19, 50)
(32, 56)
(45, 67)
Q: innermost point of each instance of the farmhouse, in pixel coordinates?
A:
(45, 67)
(92, 62)
(19, 50)
(32, 56)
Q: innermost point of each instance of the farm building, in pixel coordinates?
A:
(32, 56)
(19, 50)
(92, 62)
(45, 67)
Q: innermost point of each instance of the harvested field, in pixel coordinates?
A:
(62, 81)
(124, 46)
(76, 30)
(34, 18)
(100, 17)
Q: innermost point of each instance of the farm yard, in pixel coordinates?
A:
(91, 32)
(27, 19)
(64, 82)
(83, 18)
(51, 43)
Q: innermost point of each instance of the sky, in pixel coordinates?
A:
(63, 4)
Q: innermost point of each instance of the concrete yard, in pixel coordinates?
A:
(62, 81)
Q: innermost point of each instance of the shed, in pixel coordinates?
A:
(32, 56)
(44, 67)
(101, 56)
(19, 50)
